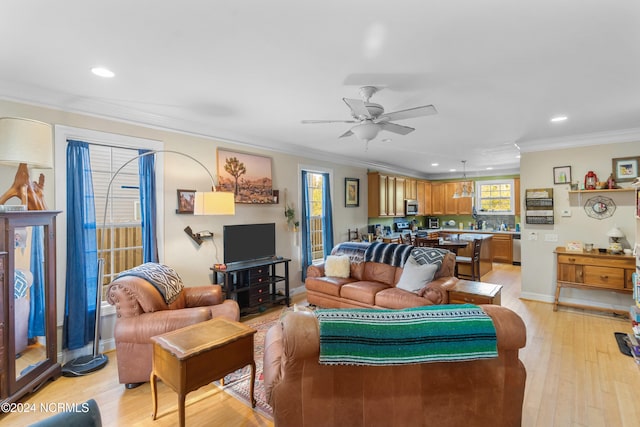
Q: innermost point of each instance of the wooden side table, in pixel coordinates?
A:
(470, 292)
(189, 358)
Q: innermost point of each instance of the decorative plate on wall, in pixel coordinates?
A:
(600, 207)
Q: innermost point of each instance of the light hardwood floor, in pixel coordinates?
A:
(576, 376)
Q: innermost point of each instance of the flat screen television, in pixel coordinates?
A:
(248, 242)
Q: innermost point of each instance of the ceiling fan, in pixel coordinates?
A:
(371, 117)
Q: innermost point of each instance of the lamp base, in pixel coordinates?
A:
(84, 365)
(30, 193)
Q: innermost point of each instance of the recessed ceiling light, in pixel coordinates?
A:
(452, 170)
(518, 156)
(435, 164)
(102, 72)
(387, 140)
(489, 168)
(559, 118)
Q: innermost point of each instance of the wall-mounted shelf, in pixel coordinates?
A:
(615, 190)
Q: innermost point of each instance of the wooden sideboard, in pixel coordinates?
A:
(593, 270)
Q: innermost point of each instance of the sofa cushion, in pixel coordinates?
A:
(399, 298)
(327, 285)
(337, 266)
(378, 272)
(362, 291)
(429, 256)
(415, 276)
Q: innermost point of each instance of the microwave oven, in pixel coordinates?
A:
(410, 207)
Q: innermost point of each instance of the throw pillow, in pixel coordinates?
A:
(337, 266)
(415, 276)
(429, 255)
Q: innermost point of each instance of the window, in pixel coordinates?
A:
(122, 225)
(314, 190)
(123, 204)
(495, 197)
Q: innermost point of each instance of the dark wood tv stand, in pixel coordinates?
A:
(253, 284)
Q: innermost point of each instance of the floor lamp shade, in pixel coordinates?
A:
(26, 141)
(214, 203)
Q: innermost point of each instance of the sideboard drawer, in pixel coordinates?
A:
(607, 277)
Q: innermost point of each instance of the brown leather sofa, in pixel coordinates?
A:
(372, 285)
(142, 313)
(304, 393)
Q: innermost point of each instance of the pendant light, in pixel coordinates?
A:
(466, 192)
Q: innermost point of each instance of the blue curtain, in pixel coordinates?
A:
(82, 255)
(327, 215)
(147, 172)
(306, 237)
(36, 313)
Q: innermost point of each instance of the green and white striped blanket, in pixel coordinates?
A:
(441, 333)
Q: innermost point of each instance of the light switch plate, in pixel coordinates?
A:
(533, 235)
(550, 237)
(566, 212)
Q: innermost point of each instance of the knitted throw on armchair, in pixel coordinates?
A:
(164, 278)
(440, 333)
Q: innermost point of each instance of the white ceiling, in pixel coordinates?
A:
(250, 71)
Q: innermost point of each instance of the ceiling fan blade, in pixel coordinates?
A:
(358, 109)
(425, 110)
(347, 133)
(396, 128)
(328, 121)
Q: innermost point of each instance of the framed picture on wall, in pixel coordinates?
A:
(351, 192)
(185, 201)
(625, 168)
(562, 175)
(246, 175)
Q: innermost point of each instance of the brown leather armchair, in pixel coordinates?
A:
(142, 313)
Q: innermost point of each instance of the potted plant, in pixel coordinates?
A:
(290, 213)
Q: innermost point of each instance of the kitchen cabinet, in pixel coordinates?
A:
(399, 196)
(376, 195)
(460, 206)
(437, 198)
(411, 188)
(502, 248)
(593, 270)
(424, 198)
(385, 195)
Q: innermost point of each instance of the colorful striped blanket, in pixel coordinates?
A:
(355, 250)
(394, 254)
(441, 333)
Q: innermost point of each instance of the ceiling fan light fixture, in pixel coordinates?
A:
(366, 131)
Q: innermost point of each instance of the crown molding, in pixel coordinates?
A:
(584, 140)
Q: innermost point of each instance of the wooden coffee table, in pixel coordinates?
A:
(467, 291)
(189, 358)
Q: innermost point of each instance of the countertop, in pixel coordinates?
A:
(457, 230)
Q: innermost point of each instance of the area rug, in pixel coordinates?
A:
(237, 383)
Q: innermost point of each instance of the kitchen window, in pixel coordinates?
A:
(495, 197)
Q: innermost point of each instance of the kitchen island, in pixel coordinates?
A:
(486, 250)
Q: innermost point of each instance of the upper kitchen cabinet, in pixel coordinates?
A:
(411, 189)
(424, 198)
(386, 195)
(460, 206)
(437, 198)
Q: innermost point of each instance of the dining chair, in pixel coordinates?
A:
(407, 238)
(426, 242)
(472, 261)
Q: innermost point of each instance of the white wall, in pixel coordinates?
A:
(538, 261)
(190, 260)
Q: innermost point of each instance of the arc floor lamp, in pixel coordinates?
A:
(205, 203)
